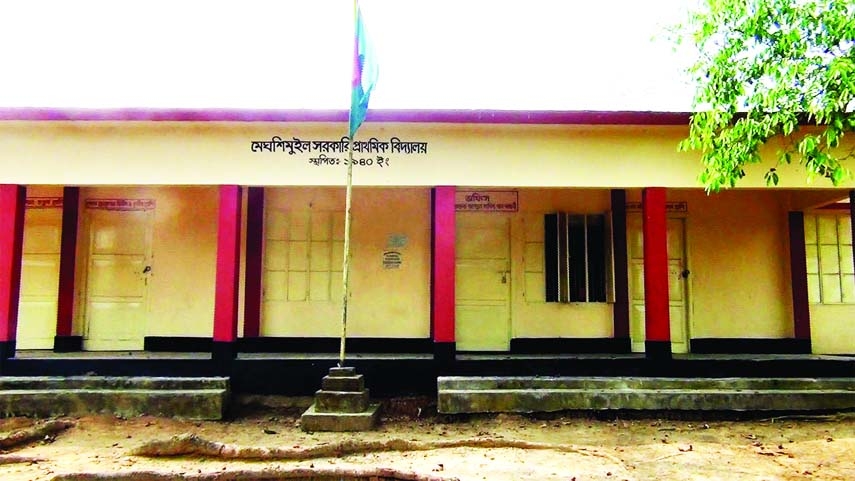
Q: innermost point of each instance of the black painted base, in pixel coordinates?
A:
(7, 349)
(443, 352)
(67, 343)
(177, 344)
(750, 346)
(223, 351)
(331, 344)
(570, 345)
(657, 350)
(416, 375)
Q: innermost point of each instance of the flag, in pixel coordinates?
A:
(365, 70)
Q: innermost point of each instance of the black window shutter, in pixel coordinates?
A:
(596, 258)
(550, 252)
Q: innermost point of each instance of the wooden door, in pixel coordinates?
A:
(39, 279)
(117, 272)
(483, 283)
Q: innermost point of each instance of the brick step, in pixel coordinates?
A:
(520, 394)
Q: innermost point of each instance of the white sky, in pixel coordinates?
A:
(267, 54)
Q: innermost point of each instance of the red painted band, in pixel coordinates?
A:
(67, 260)
(544, 117)
(656, 314)
(12, 202)
(228, 264)
(443, 259)
(254, 261)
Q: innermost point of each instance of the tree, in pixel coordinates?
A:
(772, 69)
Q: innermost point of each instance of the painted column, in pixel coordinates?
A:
(657, 320)
(621, 275)
(64, 340)
(12, 201)
(254, 262)
(798, 281)
(442, 271)
(228, 273)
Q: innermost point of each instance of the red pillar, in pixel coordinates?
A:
(656, 316)
(798, 281)
(442, 270)
(254, 261)
(64, 340)
(12, 201)
(228, 273)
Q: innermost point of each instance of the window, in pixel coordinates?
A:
(828, 248)
(303, 255)
(575, 252)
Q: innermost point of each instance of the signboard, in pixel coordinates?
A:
(486, 201)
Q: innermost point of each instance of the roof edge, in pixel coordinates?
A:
(545, 117)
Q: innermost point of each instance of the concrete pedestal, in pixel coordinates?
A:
(342, 404)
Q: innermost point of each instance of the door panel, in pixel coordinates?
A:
(117, 272)
(677, 293)
(482, 283)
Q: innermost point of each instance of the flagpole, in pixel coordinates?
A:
(345, 270)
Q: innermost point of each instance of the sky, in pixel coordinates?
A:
(296, 54)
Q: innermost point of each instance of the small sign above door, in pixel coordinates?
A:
(486, 201)
(669, 207)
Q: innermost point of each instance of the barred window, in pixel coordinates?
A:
(575, 251)
(828, 248)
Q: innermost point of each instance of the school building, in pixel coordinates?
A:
(175, 242)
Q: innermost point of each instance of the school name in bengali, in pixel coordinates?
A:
(371, 146)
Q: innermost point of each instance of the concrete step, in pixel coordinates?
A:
(539, 394)
(313, 420)
(190, 398)
(112, 382)
(343, 383)
(341, 401)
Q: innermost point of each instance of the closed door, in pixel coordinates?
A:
(482, 283)
(39, 279)
(117, 272)
(677, 280)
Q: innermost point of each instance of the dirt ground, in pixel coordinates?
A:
(565, 446)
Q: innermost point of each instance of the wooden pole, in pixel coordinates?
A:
(345, 268)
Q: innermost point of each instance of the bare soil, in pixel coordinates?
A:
(417, 442)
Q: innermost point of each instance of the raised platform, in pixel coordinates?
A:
(545, 394)
(190, 398)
